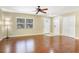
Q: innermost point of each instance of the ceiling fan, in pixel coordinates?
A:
(38, 9)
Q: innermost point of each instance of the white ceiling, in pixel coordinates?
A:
(52, 10)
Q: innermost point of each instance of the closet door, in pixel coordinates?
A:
(68, 33)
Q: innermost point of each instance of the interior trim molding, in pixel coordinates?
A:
(25, 35)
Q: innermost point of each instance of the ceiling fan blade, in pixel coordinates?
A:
(45, 9)
(42, 11)
(37, 12)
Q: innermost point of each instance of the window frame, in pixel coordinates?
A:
(25, 23)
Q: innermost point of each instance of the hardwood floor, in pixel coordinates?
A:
(42, 44)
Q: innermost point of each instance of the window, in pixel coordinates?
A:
(24, 23)
(20, 23)
(29, 23)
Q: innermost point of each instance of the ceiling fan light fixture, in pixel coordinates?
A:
(41, 10)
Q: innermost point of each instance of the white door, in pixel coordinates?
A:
(68, 27)
(56, 26)
(47, 25)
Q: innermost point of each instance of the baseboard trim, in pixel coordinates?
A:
(26, 35)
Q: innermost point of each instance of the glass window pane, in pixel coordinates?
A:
(29, 25)
(20, 20)
(20, 23)
(20, 26)
(29, 20)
